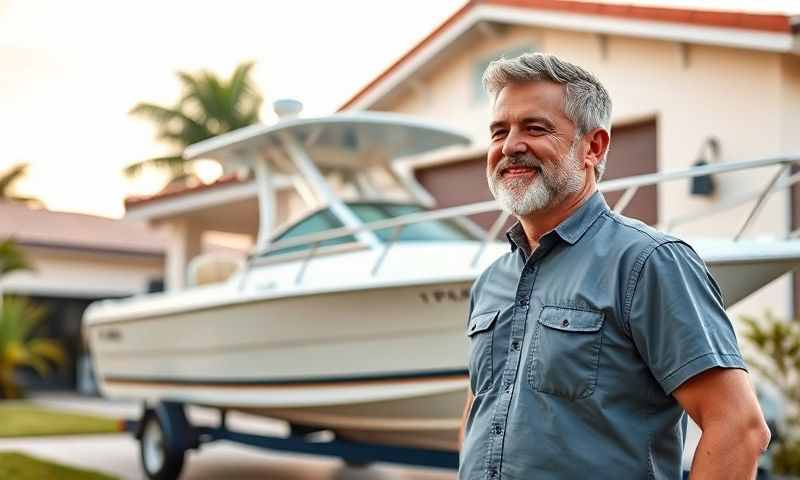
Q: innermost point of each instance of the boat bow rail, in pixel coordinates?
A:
(629, 186)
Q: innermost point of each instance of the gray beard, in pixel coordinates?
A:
(522, 197)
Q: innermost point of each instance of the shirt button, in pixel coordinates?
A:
(565, 323)
(508, 387)
(497, 429)
(492, 472)
(515, 345)
(523, 302)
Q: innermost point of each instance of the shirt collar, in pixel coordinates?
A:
(570, 230)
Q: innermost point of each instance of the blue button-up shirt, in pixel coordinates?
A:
(577, 346)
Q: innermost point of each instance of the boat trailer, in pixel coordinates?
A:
(165, 434)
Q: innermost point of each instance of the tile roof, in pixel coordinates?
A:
(177, 189)
(776, 23)
(41, 227)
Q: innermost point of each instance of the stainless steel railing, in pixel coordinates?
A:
(629, 186)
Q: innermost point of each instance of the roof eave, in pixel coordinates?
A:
(189, 202)
(772, 41)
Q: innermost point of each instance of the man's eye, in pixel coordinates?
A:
(498, 134)
(536, 129)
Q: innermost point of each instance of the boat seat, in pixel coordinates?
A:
(212, 268)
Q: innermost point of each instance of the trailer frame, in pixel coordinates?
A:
(179, 435)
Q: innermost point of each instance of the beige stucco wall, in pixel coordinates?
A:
(695, 91)
(77, 274)
(790, 104)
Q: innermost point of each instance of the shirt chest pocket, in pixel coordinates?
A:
(481, 334)
(565, 357)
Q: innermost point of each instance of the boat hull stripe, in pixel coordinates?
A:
(455, 374)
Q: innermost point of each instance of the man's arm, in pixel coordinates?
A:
(723, 404)
(464, 418)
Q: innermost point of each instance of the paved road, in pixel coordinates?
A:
(118, 454)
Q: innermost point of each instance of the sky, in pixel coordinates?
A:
(71, 71)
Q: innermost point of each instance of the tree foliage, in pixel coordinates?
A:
(12, 258)
(20, 346)
(7, 181)
(777, 343)
(209, 106)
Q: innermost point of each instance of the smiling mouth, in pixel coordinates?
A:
(517, 170)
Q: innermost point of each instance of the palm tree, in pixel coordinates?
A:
(7, 180)
(18, 320)
(12, 258)
(208, 107)
(19, 347)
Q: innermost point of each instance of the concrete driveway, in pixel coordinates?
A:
(118, 454)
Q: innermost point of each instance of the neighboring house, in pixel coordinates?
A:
(680, 80)
(77, 259)
(228, 207)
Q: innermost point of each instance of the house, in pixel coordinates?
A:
(688, 85)
(682, 82)
(77, 259)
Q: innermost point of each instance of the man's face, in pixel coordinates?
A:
(534, 158)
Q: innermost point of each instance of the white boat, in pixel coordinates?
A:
(353, 318)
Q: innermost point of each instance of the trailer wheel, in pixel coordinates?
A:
(162, 455)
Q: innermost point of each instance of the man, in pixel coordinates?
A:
(595, 335)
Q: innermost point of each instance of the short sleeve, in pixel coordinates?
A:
(677, 319)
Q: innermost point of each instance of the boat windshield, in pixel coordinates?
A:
(367, 212)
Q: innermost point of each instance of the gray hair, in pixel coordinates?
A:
(586, 102)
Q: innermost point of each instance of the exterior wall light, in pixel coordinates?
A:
(709, 153)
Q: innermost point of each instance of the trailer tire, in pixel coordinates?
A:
(162, 450)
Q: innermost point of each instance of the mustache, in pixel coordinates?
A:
(520, 160)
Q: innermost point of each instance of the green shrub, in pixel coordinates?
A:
(778, 361)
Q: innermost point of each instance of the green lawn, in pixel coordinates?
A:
(22, 467)
(21, 419)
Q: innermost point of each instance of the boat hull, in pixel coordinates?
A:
(384, 365)
(375, 358)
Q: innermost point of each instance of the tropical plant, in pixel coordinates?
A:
(209, 106)
(777, 343)
(19, 319)
(12, 258)
(19, 345)
(7, 181)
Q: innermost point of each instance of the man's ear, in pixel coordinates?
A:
(598, 146)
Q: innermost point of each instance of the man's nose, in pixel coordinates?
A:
(513, 144)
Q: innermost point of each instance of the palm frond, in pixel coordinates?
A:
(8, 178)
(12, 258)
(47, 349)
(240, 84)
(170, 162)
(38, 364)
(19, 345)
(172, 123)
(208, 106)
(19, 318)
(29, 201)
(155, 112)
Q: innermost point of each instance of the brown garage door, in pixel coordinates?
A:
(458, 183)
(633, 152)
